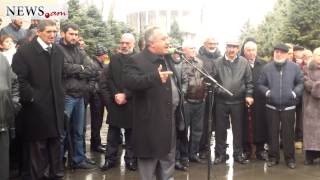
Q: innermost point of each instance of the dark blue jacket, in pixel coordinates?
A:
(285, 83)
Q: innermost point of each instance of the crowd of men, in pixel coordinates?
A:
(159, 100)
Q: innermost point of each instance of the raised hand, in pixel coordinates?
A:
(164, 74)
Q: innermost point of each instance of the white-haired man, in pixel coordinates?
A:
(255, 115)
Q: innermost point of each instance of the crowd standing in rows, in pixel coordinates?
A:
(157, 98)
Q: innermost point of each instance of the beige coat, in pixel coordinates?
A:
(311, 107)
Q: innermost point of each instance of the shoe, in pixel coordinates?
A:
(241, 159)
(132, 166)
(298, 145)
(263, 155)
(247, 155)
(291, 165)
(221, 159)
(99, 149)
(179, 166)
(308, 162)
(184, 162)
(84, 165)
(108, 165)
(271, 163)
(203, 155)
(195, 158)
(89, 161)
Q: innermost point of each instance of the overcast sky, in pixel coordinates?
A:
(222, 18)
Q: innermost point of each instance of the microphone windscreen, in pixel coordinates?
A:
(171, 50)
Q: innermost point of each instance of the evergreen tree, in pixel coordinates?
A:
(269, 31)
(175, 33)
(93, 29)
(247, 31)
(302, 25)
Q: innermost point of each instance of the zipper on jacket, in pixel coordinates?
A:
(281, 88)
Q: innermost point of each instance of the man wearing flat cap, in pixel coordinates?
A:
(281, 81)
(234, 73)
(95, 100)
(298, 59)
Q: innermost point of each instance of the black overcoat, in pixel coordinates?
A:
(39, 75)
(112, 84)
(258, 121)
(153, 116)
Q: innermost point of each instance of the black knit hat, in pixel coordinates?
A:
(101, 50)
(281, 47)
(298, 48)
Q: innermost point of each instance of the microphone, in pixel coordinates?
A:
(175, 51)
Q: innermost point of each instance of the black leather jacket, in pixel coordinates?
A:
(79, 76)
(235, 76)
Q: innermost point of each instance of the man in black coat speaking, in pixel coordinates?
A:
(151, 76)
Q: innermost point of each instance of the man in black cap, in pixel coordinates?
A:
(95, 99)
(298, 58)
(298, 54)
(281, 81)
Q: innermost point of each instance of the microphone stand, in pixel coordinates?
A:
(211, 100)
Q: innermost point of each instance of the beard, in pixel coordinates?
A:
(279, 61)
(211, 50)
(129, 51)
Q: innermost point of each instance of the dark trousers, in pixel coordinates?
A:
(286, 119)
(45, 159)
(222, 122)
(4, 155)
(311, 155)
(298, 128)
(182, 152)
(204, 145)
(97, 110)
(157, 168)
(194, 118)
(113, 139)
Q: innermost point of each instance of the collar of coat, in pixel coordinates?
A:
(152, 57)
(39, 48)
(229, 61)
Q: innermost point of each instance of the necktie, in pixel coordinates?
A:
(49, 50)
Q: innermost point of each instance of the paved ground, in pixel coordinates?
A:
(256, 170)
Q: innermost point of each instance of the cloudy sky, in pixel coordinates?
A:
(222, 18)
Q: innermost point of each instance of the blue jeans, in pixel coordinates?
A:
(74, 108)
